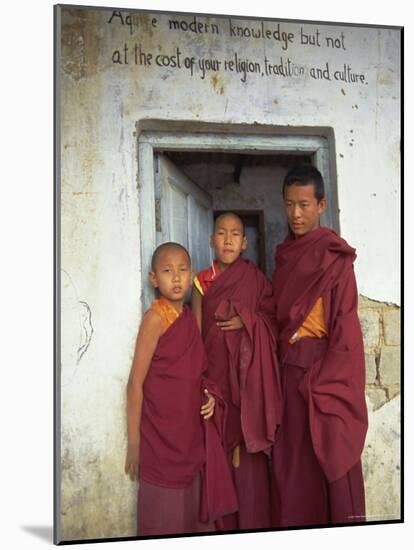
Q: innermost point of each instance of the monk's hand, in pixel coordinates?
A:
(132, 461)
(235, 323)
(207, 410)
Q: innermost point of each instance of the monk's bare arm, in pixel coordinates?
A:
(146, 342)
(197, 305)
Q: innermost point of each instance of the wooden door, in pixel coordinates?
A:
(185, 212)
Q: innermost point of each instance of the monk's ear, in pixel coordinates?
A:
(153, 279)
(244, 244)
(322, 204)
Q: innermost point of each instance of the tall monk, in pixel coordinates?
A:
(316, 457)
(185, 483)
(233, 303)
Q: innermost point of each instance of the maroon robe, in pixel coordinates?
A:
(316, 456)
(182, 459)
(244, 366)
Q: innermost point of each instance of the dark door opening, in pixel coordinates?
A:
(249, 185)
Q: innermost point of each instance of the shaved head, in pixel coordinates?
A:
(228, 215)
(167, 246)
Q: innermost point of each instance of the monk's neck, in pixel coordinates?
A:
(299, 237)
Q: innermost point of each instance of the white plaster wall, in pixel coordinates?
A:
(100, 234)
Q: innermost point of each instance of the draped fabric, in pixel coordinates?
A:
(243, 362)
(243, 365)
(177, 444)
(321, 264)
(316, 457)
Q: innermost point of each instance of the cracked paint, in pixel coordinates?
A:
(86, 329)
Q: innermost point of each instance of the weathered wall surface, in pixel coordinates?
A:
(380, 323)
(115, 72)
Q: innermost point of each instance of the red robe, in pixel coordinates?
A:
(318, 448)
(244, 366)
(176, 444)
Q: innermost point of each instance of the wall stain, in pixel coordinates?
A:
(385, 80)
(217, 84)
(79, 43)
(97, 498)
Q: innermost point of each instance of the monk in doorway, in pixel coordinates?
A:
(175, 415)
(316, 457)
(233, 303)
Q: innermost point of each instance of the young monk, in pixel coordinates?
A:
(316, 456)
(232, 301)
(176, 454)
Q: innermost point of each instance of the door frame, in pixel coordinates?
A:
(150, 142)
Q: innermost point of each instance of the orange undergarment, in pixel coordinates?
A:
(314, 325)
(166, 311)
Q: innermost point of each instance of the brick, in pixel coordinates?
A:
(364, 302)
(390, 365)
(376, 398)
(392, 327)
(393, 391)
(370, 325)
(370, 368)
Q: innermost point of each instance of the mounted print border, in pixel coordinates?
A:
(163, 118)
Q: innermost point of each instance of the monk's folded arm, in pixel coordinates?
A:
(349, 296)
(342, 333)
(146, 342)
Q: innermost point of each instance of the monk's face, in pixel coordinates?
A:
(302, 208)
(172, 274)
(228, 240)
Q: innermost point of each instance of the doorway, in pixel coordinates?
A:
(185, 178)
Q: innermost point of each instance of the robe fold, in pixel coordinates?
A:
(325, 417)
(177, 445)
(244, 366)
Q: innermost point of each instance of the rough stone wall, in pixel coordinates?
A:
(380, 323)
